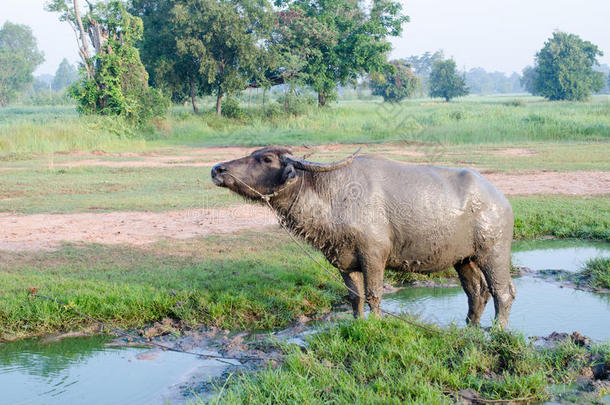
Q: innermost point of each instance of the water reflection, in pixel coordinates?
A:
(557, 254)
(84, 371)
(540, 308)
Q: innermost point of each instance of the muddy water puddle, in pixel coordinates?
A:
(541, 306)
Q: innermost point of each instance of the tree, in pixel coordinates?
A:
(19, 57)
(178, 76)
(480, 81)
(528, 78)
(65, 76)
(222, 41)
(422, 66)
(337, 41)
(564, 68)
(445, 82)
(396, 83)
(114, 81)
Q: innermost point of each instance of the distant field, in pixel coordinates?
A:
(473, 120)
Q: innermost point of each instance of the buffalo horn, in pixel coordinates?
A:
(321, 167)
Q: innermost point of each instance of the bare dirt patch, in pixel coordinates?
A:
(570, 183)
(48, 231)
(518, 152)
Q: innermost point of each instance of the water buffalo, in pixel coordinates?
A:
(368, 213)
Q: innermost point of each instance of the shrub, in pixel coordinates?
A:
(231, 108)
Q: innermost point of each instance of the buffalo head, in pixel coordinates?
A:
(267, 171)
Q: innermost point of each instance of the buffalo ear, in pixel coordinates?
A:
(289, 173)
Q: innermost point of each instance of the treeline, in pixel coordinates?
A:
(139, 56)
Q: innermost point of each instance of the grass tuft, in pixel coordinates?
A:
(596, 273)
(389, 361)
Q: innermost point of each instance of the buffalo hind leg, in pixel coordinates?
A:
(495, 265)
(474, 284)
(355, 282)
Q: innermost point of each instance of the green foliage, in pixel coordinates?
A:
(19, 57)
(528, 79)
(65, 76)
(564, 68)
(223, 41)
(445, 82)
(114, 81)
(396, 83)
(231, 108)
(422, 66)
(325, 43)
(295, 103)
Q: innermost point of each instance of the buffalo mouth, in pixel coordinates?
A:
(218, 181)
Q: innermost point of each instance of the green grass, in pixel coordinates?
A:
(388, 361)
(561, 217)
(222, 281)
(470, 121)
(99, 189)
(596, 273)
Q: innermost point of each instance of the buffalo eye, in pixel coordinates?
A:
(267, 159)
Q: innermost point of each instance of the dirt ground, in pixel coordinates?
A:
(48, 231)
(546, 182)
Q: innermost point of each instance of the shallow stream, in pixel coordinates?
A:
(85, 371)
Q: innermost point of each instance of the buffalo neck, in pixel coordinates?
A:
(303, 204)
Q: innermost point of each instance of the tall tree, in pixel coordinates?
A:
(422, 66)
(224, 40)
(445, 82)
(66, 75)
(19, 57)
(564, 68)
(396, 83)
(177, 75)
(114, 79)
(337, 40)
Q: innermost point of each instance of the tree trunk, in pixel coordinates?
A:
(321, 99)
(195, 109)
(219, 103)
(84, 47)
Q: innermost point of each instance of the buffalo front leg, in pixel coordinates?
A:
(475, 286)
(355, 284)
(373, 269)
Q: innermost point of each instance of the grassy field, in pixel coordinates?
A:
(222, 281)
(231, 282)
(475, 120)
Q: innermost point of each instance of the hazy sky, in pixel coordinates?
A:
(500, 35)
